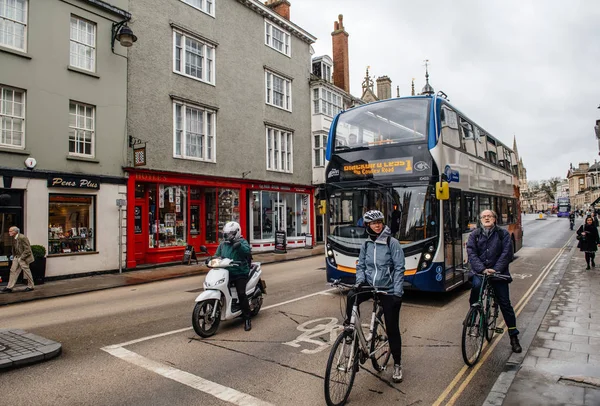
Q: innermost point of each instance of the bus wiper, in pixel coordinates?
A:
(347, 148)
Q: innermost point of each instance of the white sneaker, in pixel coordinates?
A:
(397, 375)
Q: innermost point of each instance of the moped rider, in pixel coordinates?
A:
(236, 248)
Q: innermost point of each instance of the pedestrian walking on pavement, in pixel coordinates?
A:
(21, 258)
(490, 251)
(588, 237)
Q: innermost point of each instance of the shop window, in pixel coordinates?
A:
(140, 190)
(71, 220)
(210, 203)
(257, 221)
(152, 224)
(268, 216)
(172, 216)
(194, 219)
(229, 207)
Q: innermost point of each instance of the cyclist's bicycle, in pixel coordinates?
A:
(352, 347)
(481, 320)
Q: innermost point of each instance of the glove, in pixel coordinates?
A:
(359, 285)
(397, 300)
(206, 261)
(236, 245)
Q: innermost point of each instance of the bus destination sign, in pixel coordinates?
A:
(381, 167)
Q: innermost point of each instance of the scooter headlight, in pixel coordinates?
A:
(220, 281)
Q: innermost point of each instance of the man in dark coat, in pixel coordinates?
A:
(21, 259)
(490, 251)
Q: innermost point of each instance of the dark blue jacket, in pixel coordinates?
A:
(490, 252)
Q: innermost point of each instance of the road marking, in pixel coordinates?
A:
(487, 348)
(181, 330)
(212, 388)
(326, 325)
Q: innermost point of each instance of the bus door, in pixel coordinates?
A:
(453, 252)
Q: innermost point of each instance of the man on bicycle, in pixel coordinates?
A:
(381, 264)
(490, 251)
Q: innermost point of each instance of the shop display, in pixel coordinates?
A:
(70, 228)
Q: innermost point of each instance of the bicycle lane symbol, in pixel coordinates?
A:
(312, 330)
(521, 275)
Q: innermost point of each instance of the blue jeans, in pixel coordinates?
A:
(502, 297)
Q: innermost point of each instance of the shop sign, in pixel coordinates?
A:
(74, 182)
(280, 242)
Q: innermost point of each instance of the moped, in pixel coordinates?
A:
(219, 300)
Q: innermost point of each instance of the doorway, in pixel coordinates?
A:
(453, 238)
(280, 217)
(11, 214)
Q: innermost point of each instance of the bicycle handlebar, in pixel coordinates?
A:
(497, 276)
(360, 289)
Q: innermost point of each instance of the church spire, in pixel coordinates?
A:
(515, 145)
(427, 89)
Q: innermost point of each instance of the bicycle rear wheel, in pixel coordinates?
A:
(341, 369)
(380, 346)
(491, 316)
(472, 335)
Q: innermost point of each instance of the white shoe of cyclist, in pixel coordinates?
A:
(397, 375)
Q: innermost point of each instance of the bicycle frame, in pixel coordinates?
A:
(355, 322)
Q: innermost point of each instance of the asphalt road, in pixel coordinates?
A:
(280, 362)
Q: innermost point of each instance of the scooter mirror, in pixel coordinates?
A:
(203, 249)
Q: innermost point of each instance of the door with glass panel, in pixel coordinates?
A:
(280, 217)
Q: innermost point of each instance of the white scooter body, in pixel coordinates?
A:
(216, 287)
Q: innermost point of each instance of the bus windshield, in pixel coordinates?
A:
(392, 122)
(410, 213)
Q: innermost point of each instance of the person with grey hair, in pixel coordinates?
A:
(490, 252)
(21, 258)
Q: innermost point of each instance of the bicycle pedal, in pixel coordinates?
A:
(499, 330)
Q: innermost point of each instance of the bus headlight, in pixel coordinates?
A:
(427, 256)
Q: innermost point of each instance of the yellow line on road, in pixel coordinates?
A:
(490, 347)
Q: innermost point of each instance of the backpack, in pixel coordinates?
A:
(511, 254)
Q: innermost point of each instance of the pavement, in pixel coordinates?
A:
(560, 362)
(18, 347)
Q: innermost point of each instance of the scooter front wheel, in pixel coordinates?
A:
(205, 325)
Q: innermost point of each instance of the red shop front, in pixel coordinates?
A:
(168, 211)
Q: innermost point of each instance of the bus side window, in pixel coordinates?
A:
(481, 143)
(450, 133)
(468, 136)
(491, 152)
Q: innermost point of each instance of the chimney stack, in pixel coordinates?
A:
(281, 7)
(384, 88)
(341, 68)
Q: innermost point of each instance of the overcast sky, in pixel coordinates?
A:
(528, 68)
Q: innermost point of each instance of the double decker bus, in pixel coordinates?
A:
(392, 155)
(563, 207)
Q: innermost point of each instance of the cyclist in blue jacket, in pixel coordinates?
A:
(381, 264)
(490, 251)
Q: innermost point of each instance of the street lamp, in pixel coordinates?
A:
(122, 33)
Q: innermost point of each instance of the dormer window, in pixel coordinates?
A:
(322, 69)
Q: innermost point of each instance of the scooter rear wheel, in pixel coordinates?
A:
(258, 301)
(202, 320)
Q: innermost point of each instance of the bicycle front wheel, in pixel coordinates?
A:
(341, 369)
(472, 335)
(491, 316)
(380, 347)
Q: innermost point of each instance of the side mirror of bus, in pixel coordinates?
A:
(442, 191)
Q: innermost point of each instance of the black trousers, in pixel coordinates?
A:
(240, 282)
(391, 316)
(502, 297)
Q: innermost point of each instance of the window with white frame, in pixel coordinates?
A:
(277, 39)
(194, 136)
(82, 119)
(326, 102)
(279, 91)
(12, 117)
(320, 145)
(206, 6)
(280, 148)
(13, 23)
(83, 44)
(193, 57)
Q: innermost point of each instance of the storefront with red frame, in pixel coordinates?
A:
(168, 211)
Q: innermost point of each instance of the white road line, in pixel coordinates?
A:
(181, 330)
(212, 388)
